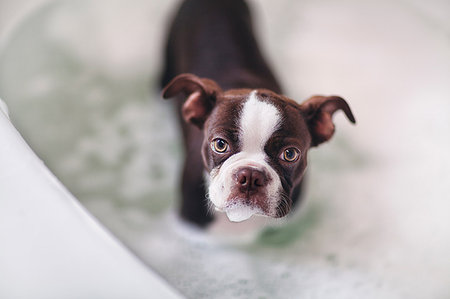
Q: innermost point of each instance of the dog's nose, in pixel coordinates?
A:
(250, 178)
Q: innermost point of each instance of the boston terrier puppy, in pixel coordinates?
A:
(246, 144)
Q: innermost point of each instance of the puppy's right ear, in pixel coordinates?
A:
(201, 94)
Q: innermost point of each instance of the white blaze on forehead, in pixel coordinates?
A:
(258, 122)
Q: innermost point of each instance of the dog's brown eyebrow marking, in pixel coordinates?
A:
(224, 132)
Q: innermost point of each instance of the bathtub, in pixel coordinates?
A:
(50, 245)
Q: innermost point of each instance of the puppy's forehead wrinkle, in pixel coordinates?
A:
(258, 121)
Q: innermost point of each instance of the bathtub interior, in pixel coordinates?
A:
(80, 79)
(51, 246)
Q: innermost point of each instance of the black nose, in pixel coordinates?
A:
(250, 178)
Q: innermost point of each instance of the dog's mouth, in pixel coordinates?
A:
(238, 212)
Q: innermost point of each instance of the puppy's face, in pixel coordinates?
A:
(255, 143)
(254, 150)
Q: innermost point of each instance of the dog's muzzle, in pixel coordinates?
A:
(248, 194)
(243, 188)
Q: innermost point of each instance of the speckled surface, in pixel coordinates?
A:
(80, 79)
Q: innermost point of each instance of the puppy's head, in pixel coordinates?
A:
(255, 142)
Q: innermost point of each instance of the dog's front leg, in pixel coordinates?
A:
(194, 206)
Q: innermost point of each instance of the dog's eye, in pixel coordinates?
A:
(290, 155)
(219, 145)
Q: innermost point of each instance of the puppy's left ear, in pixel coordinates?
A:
(318, 111)
(201, 96)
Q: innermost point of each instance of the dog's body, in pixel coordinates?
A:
(250, 140)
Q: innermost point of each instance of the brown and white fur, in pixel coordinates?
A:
(249, 140)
